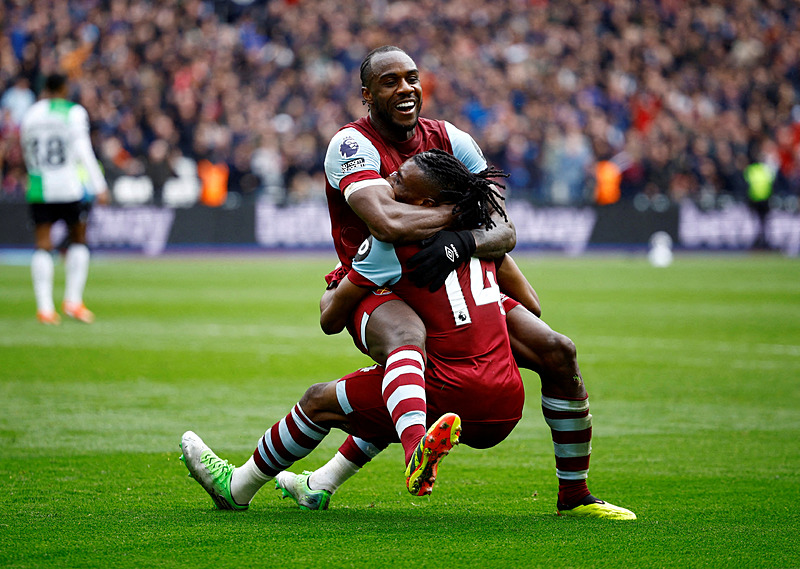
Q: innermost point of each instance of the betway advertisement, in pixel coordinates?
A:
(153, 230)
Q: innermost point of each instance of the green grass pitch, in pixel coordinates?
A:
(693, 374)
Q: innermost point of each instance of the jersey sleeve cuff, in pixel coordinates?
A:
(360, 280)
(355, 186)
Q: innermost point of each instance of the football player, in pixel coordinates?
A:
(57, 148)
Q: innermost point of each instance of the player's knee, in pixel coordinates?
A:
(383, 340)
(412, 334)
(317, 401)
(561, 352)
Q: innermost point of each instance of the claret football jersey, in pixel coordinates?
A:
(357, 152)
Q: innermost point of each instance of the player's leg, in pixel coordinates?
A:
(541, 349)
(287, 441)
(565, 406)
(42, 265)
(394, 331)
(372, 430)
(386, 329)
(368, 419)
(394, 336)
(76, 265)
(353, 455)
(312, 490)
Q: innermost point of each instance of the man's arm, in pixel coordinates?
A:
(497, 241)
(513, 283)
(394, 222)
(376, 265)
(79, 130)
(337, 304)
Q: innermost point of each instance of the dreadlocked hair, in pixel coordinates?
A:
(474, 195)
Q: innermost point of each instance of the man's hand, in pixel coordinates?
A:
(441, 254)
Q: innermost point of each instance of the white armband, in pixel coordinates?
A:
(355, 186)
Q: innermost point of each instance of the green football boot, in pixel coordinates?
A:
(295, 486)
(213, 473)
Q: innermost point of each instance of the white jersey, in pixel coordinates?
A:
(58, 153)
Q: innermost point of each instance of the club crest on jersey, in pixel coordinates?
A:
(348, 147)
(381, 291)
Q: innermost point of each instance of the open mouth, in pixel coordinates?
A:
(406, 107)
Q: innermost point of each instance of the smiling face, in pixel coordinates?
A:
(412, 186)
(394, 95)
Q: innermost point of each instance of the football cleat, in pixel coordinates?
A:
(213, 473)
(49, 318)
(295, 486)
(78, 311)
(591, 507)
(434, 446)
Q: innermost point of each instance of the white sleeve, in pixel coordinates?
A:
(79, 127)
(348, 152)
(466, 149)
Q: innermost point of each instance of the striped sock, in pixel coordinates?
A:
(287, 441)
(404, 394)
(359, 451)
(571, 426)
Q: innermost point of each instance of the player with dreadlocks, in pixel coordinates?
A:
(472, 194)
(471, 381)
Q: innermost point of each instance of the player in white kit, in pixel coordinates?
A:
(59, 156)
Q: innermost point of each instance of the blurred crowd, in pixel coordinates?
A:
(582, 101)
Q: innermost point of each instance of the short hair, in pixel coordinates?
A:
(473, 194)
(366, 65)
(55, 82)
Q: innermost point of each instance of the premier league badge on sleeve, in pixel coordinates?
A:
(348, 147)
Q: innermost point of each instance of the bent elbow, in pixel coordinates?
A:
(511, 242)
(511, 237)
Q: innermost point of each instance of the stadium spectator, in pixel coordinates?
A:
(701, 83)
(16, 101)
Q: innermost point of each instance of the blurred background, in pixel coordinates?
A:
(686, 112)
